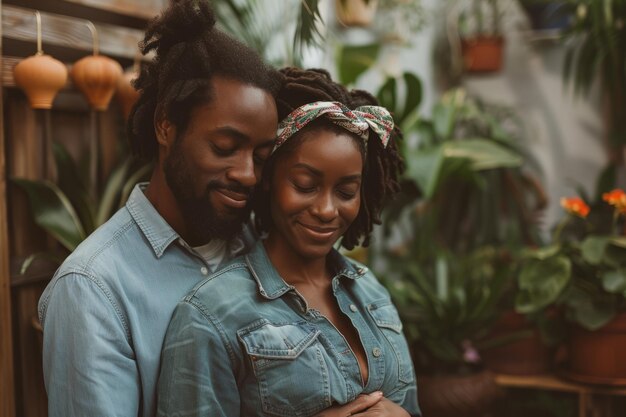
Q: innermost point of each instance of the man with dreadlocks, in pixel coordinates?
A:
(207, 117)
(294, 328)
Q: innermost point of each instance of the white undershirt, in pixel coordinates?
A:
(213, 252)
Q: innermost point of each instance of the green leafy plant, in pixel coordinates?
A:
(448, 304)
(584, 269)
(453, 235)
(480, 18)
(67, 210)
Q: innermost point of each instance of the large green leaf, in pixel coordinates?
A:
(54, 212)
(388, 96)
(593, 248)
(483, 154)
(541, 282)
(591, 310)
(354, 60)
(112, 190)
(614, 281)
(71, 183)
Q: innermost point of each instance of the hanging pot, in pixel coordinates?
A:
(482, 53)
(356, 12)
(96, 76)
(40, 76)
(126, 94)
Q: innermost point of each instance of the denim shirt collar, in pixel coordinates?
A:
(154, 227)
(271, 285)
(160, 234)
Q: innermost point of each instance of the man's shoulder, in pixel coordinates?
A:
(106, 246)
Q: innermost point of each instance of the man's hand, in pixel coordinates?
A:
(361, 403)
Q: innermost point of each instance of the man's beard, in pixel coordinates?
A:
(202, 220)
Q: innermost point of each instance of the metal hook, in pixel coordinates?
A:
(38, 19)
(94, 35)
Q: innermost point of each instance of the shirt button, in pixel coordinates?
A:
(376, 352)
(204, 270)
(353, 308)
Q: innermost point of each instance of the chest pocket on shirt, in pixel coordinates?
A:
(288, 362)
(387, 319)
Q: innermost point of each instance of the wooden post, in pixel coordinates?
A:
(7, 391)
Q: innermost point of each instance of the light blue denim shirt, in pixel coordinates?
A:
(244, 343)
(106, 311)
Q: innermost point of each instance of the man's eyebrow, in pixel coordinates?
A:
(232, 132)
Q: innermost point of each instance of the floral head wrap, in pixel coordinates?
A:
(358, 121)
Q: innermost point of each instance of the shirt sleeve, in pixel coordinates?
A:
(88, 362)
(197, 377)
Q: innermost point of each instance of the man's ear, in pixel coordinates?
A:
(164, 129)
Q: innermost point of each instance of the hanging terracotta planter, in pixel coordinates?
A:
(525, 355)
(40, 76)
(470, 395)
(96, 76)
(356, 12)
(126, 94)
(482, 53)
(599, 357)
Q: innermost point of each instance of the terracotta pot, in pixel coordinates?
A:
(482, 53)
(356, 12)
(96, 76)
(126, 94)
(599, 356)
(457, 395)
(522, 356)
(41, 77)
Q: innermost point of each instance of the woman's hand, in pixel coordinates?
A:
(383, 408)
(370, 405)
(361, 403)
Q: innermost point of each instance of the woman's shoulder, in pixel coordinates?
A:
(232, 278)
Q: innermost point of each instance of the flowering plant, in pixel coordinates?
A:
(584, 269)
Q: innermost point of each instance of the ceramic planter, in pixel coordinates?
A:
(527, 355)
(356, 12)
(96, 76)
(41, 77)
(599, 357)
(482, 54)
(470, 395)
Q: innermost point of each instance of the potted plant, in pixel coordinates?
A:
(583, 272)
(482, 43)
(452, 238)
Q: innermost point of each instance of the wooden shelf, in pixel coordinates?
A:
(554, 383)
(593, 400)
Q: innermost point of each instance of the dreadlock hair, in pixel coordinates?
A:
(189, 51)
(381, 165)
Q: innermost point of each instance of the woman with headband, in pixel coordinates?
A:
(294, 328)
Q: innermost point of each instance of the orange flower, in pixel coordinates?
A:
(616, 198)
(575, 205)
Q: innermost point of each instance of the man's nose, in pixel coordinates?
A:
(243, 171)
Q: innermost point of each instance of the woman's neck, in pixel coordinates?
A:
(292, 267)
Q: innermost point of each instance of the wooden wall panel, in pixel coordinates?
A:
(7, 392)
